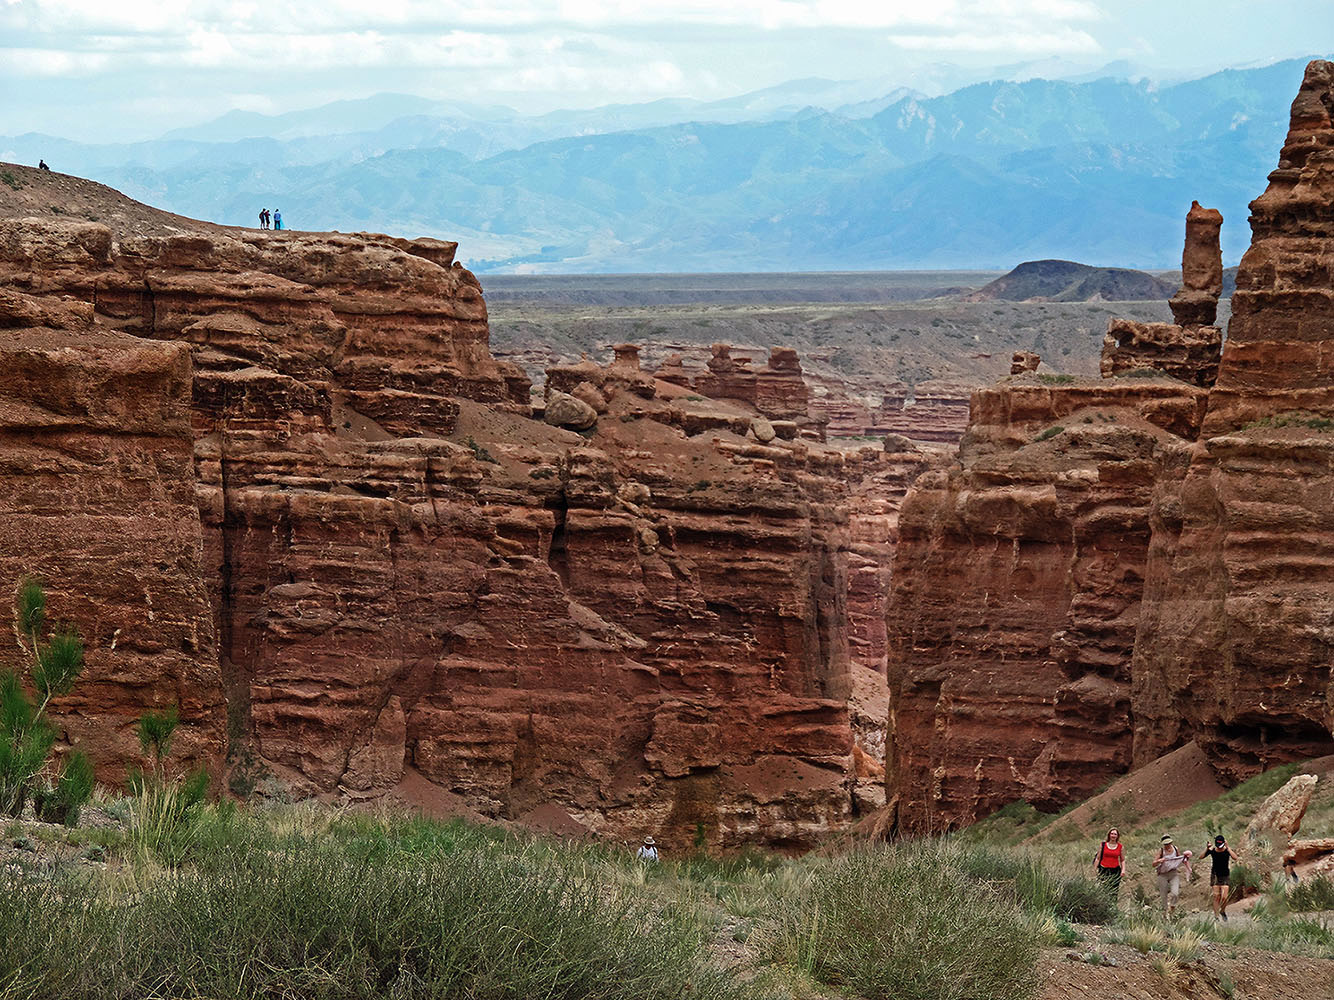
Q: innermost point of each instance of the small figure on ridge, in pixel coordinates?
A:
(277, 219)
(41, 165)
(263, 218)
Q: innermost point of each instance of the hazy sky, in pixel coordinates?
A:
(119, 69)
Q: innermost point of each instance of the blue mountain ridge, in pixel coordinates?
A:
(1101, 171)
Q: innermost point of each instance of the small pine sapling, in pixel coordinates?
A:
(54, 662)
(162, 810)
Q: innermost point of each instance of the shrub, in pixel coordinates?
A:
(162, 810)
(1245, 881)
(1057, 378)
(63, 801)
(906, 923)
(1030, 884)
(480, 452)
(1049, 433)
(1314, 894)
(310, 920)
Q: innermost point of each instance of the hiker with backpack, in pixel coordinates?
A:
(263, 218)
(1111, 864)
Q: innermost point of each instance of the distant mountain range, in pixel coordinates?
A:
(1099, 170)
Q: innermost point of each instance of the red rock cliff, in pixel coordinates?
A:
(1235, 651)
(644, 624)
(1114, 569)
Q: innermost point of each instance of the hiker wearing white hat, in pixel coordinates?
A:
(1169, 864)
(648, 851)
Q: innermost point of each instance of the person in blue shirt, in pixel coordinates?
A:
(277, 219)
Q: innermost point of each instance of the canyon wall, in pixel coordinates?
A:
(1236, 652)
(97, 501)
(1115, 568)
(353, 549)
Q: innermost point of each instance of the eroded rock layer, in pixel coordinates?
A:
(1016, 593)
(1237, 648)
(97, 500)
(394, 572)
(1115, 569)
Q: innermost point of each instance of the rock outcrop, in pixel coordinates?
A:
(97, 499)
(1024, 361)
(1236, 653)
(323, 510)
(1016, 594)
(1285, 809)
(1189, 348)
(1116, 569)
(1196, 302)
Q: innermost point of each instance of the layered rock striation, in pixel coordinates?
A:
(356, 544)
(1115, 569)
(1237, 651)
(1017, 588)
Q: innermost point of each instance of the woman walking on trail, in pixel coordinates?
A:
(1169, 863)
(1111, 864)
(1220, 878)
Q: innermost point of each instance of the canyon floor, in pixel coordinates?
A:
(859, 335)
(304, 900)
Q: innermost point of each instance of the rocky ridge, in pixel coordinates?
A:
(371, 562)
(1113, 569)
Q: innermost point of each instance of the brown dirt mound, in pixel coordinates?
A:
(27, 192)
(1168, 785)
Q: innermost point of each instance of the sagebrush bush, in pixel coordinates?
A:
(309, 920)
(1313, 894)
(905, 923)
(1035, 887)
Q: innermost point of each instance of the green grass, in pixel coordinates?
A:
(1313, 894)
(905, 923)
(306, 902)
(361, 911)
(1299, 418)
(1049, 433)
(1058, 378)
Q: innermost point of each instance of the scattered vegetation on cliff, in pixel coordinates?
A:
(53, 661)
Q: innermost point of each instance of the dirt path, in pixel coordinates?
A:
(1222, 972)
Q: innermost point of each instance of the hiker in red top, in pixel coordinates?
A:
(1111, 863)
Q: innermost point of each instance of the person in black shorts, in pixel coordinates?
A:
(1220, 880)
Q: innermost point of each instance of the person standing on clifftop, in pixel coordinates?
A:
(1169, 864)
(1220, 878)
(263, 218)
(1111, 864)
(277, 219)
